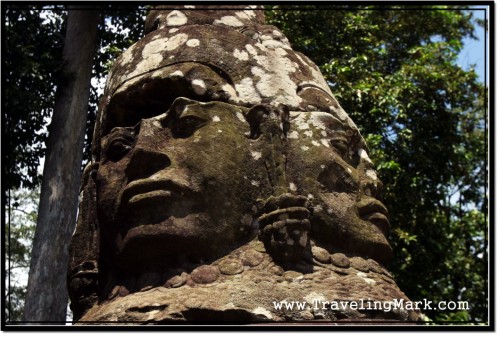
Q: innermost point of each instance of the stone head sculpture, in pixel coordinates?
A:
(221, 158)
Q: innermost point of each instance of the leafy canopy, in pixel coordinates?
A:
(394, 70)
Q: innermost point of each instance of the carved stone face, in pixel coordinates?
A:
(221, 160)
(329, 164)
(177, 185)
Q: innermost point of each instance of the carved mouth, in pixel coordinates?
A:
(149, 191)
(375, 212)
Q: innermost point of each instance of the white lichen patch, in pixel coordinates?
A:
(199, 86)
(160, 73)
(320, 119)
(318, 208)
(189, 6)
(245, 15)
(366, 278)
(240, 55)
(251, 50)
(216, 119)
(229, 21)
(293, 135)
(371, 174)
(219, 131)
(305, 63)
(193, 43)
(176, 18)
(176, 73)
(255, 183)
(256, 155)
(127, 56)
(283, 52)
(176, 41)
(308, 133)
(246, 91)
(315, 143)
(293, 187)
(173, 30)
(299, 120)
(304, 148)
(240, 116)
(274, 44)
(364, 156)
(152, 61)
(273, 73)
(154, 47)
(325, 142)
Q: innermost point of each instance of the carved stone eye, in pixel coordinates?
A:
(118, 148)
(337, 178)
(340, 145)
(186, 126)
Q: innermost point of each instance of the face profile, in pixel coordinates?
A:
(329, 164)
(224, 174)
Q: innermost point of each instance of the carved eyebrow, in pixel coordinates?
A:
(304, 86)
(189, 109)
(125, 132)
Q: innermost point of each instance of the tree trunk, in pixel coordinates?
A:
(47, 296)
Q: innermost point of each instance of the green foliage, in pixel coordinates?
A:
(120, 27)
(32, 58)
(19, 232)
(395, 72)
(33, 43)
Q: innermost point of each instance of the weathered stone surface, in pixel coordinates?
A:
(340, 260)
(230, 266)
(225, 179)
(320, 254)
(359, 263)
(177, 281)
(237, 298)
(205, 274)
(252, 258)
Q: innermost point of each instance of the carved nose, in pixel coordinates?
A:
(146, 162)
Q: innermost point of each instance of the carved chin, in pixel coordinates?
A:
(193, 236)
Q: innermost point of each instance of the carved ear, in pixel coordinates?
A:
(254, 117)
(84, 248)
(284, 116)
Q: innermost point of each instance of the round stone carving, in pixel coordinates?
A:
(205, 274)
(177, 281)
(340, 260)
(252, 258)
(230, 266)
(360, 264)
(321, 254)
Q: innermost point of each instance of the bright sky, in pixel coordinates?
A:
(474, 50)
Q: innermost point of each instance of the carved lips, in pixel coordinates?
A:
(375, 212)
(149, 190)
